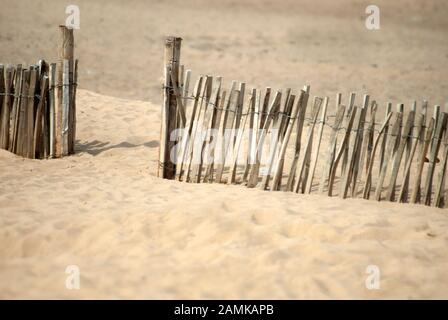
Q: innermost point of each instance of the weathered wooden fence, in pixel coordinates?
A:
(284, 141)
(38, 105)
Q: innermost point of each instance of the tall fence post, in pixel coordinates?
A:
(66, 52)
(167, 168)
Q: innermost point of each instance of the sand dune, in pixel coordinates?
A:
(136, 236)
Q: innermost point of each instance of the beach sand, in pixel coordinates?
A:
(133, 235)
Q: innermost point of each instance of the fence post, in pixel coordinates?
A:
(66, 52)
(167, 168)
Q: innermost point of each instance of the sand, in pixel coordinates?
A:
(133, 235)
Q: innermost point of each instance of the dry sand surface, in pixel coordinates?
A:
(136, 236)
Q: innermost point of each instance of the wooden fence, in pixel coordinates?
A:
(284, 141)
(38, 105)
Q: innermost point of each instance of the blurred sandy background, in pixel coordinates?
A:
(136, 236)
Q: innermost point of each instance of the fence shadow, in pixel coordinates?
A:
(96, 147)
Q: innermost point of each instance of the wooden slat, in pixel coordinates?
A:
(390, 194)
(367, 146)
(331, 148)
(424, 143)
(440, 186)
(51, 106)
(301, 168)
(278, 171)
(273, 152)
(186, 139)
(299, 129)
(348, 129)
(388, 154)
(18, 81)
(409, 146)
(65, 106)
(351, 104)
(403, 194)
(239, 138)
(6, 109)
(252, 135)
(206, 125)
(273, 109)
(315, 157)
(229, 119)
(359, 158)
(37, 152)
(384, 141)
(216, 127)
(22, 116)
(2, 98)
(368, 182)
(30, 114)
(198, 134)
(436, 141)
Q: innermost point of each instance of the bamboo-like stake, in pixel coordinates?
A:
(216, 127)
(6, 110)
(273, 109)
(208, 126)
(424, 143)
(368, 183)
(390, 195)
(384, 141)
(74, 88)
(273, 152)
(51, 105)
(403, 194)
(331, 147)
(299, 129)
(436, 141)
(16, 108)
(2, 98)
(181, 117)
(389, 154)
(166, 168)
(315, 157)
(368, 143)
(276, 182)
(351, 104)
(38, 130)
(58, 111)
(30, 116)
(341, 151)
(440, 186)
(186, 139)
(198, 136)
(227, 138)
(436, 116)
(65, 106)
(22, 116)
(282, 131)
(405, 184)
(301, 168)
(350, 171)
(359, 157)
(239, 138)
(253, 128)
(186, 89)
